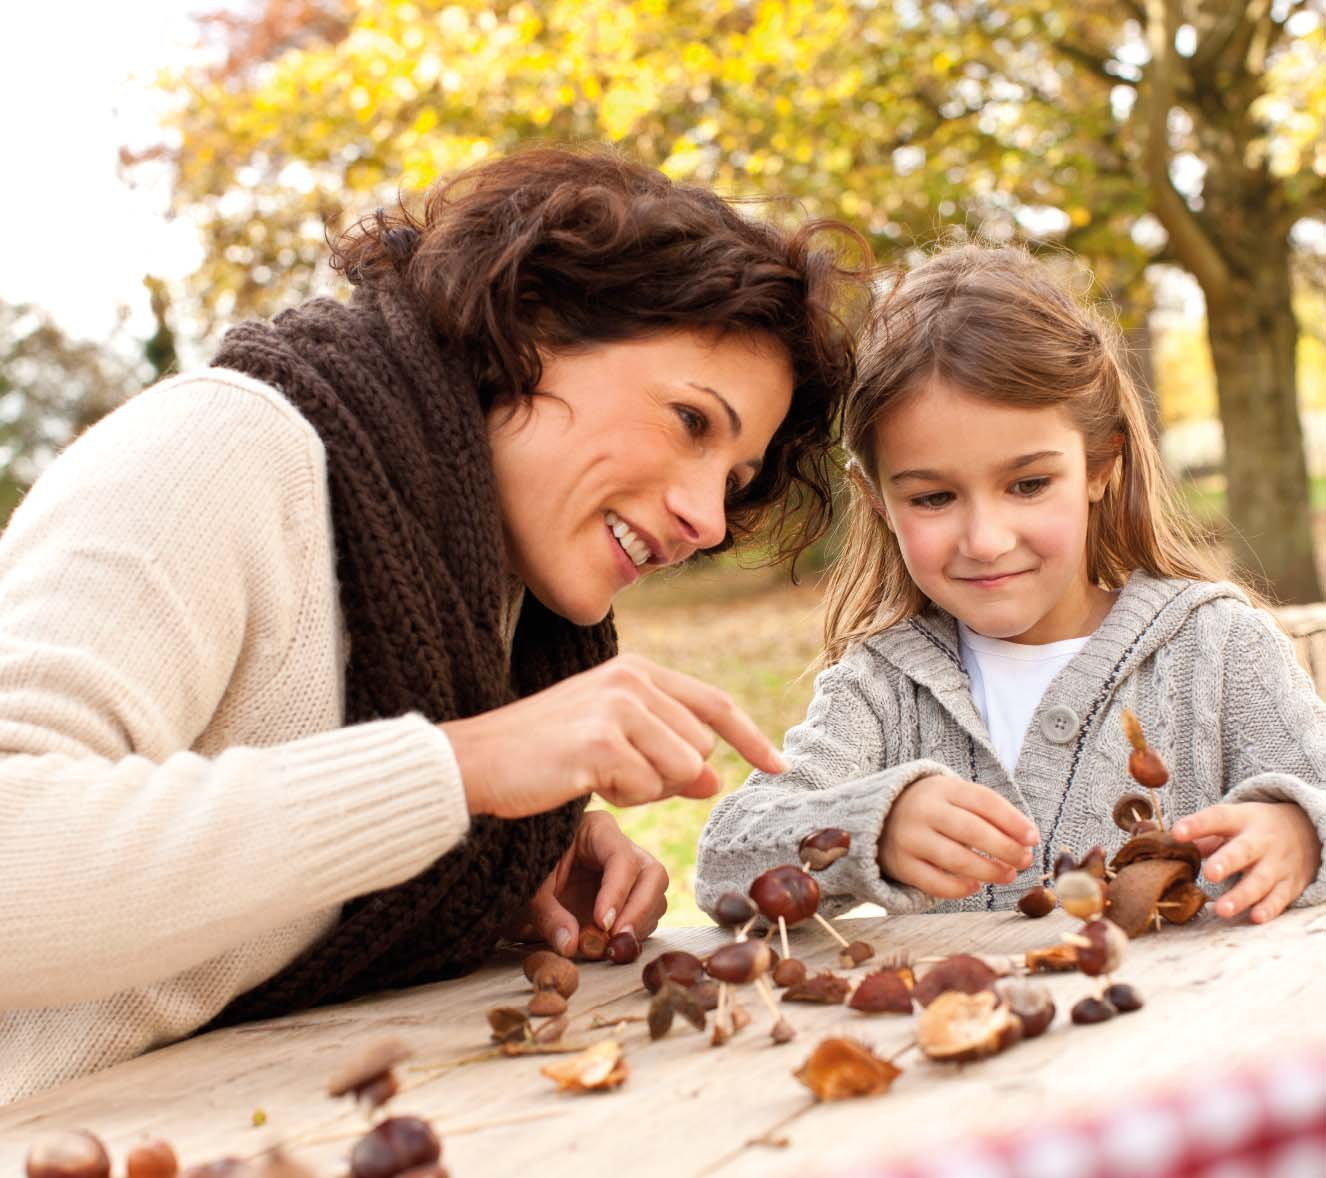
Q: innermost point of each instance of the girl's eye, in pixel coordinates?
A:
(1026, 488)
(933, 501)
(695, 423)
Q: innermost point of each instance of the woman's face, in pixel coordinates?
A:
(625, 459)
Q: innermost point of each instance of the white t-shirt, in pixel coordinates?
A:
(1007, 682)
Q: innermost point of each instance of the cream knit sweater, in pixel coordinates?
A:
(181, 811)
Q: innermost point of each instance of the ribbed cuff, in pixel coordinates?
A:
(372, 804)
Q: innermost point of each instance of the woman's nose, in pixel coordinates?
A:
(700, 512)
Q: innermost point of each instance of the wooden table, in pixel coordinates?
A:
(1216, 996)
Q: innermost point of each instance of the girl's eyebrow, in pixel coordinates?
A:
(920, 474)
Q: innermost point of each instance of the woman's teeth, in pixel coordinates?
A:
(631, 544)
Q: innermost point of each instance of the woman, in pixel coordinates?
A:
(306, 664)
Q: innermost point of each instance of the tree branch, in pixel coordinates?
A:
(1189, 241)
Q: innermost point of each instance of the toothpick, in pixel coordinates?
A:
(833, 932)
(766, 994)
(782, 932)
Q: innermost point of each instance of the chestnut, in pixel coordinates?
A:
(676, 965)
(151, 1159)
(69, 1154)
(1123, 998)
(854, 954)
(547, 1004)
(1104, 951)
(733, 909)
(789, 972)
(1146, 768)
(1092, 1010)
(739, 962)
(593, 943)
(786, 892)
(394, 1145)
(817, 851)
(624, 948)
(555, 973)
(1031, 1003)
(1037, 902)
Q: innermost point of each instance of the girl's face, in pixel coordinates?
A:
(989, 504)
(627, 463)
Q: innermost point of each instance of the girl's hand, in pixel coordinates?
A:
(945, 836)
(604, 879)
(1272, 844)
(628, 730)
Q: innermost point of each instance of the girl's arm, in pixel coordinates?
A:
(165, 559)
(1273, 821)
(840, 776)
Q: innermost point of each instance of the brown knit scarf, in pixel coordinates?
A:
(419, 552)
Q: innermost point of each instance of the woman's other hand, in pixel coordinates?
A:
(603, 879)
(947, 836)
(629, 730)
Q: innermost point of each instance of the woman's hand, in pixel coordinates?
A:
(1272, 844)
(604, 879)
(628, 730)
(945, 835)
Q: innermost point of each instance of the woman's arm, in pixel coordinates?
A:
(161, 557)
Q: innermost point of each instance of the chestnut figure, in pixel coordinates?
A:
(817, 851)
(1101, 945)
(70, 1154)
(733, 910)
(1093, 862)
(1144, 764)
(677, 966)
(547, 1004)
(1081, 894)
(624, 948)
(739, 962)
(786, 893)
(151, 1159)
(393, 1146)
(1063, 861)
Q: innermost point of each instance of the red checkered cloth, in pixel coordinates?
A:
(1268, 1122)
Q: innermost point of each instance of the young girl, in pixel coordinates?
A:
(1016, 575)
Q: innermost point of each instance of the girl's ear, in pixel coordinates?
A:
(856, 472)
(1099, 479)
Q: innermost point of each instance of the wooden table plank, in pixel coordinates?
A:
(1216, 996)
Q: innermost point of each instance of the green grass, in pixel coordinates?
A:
(749, 632)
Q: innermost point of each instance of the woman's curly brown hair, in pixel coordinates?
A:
(552, 249)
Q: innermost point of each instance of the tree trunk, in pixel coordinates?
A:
(1253, 336)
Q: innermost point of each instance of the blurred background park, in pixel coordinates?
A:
(176, 165)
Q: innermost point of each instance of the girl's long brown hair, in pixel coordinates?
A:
(997, 324)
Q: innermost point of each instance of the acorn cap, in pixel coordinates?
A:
(1131, 809)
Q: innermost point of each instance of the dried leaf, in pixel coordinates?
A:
(596, 1069)
(1052, 959)
(841, 1068)
(825, 988)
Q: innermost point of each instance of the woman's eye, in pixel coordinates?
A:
(1029, 487)
(695, 422)
(934, 500)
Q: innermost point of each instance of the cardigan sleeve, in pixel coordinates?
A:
(167, 548)
(1274, 728)
(840, 775)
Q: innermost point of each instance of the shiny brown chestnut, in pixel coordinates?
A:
(739, 962)
(153, 1158)
(1092, 1010)
(734, 909)
(72, 1153)
(823, 848)
(1037, 902)
(677, 966)
(624, 948)
(392, 1146)
(786, 892)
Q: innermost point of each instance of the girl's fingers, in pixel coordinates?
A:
(1234, 856)
(1254, 886)
(1209, 845)
(974, 831)
(998, 812)
(1224, 821)
(935, 881)
(1275, 902)
(958, 859)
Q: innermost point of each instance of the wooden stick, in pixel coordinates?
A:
(764, 990)
(833, 932)
(782, 932)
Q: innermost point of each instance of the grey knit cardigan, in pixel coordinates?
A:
(1214, 681)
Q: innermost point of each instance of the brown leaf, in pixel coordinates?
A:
(825, 988)
(596, 1069)
(842, 1068)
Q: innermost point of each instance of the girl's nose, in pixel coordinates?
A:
(985, 537)
(699, 512)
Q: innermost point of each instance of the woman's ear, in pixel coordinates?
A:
(857, 473)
